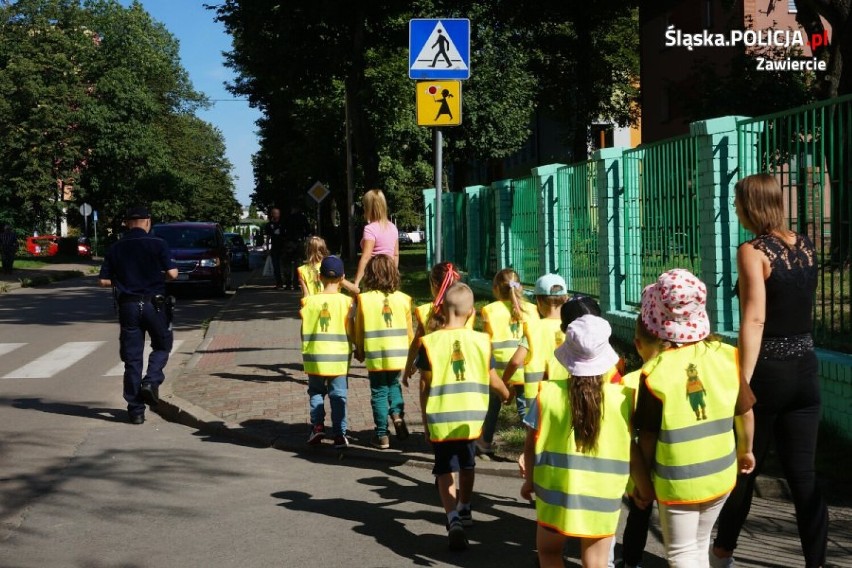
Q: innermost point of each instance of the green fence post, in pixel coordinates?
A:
(477, 224)
(610, 188)
(548, 215)
(502, 196)
(719, 234)
(429, 225)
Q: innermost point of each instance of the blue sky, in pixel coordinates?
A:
(202, 42)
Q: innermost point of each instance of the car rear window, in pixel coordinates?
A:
(187, 237)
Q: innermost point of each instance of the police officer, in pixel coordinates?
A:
(137, 267)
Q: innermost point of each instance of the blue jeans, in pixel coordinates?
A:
(386, 398)
(336, 389)
(494, 404)
(137, 319)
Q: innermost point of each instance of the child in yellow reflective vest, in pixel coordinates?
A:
(689, 445)
(309, 272)
(579, 448)
(504, 323)
(326, 337)
(456, 372)
(383, 334)
(429, 316)
(541, 337)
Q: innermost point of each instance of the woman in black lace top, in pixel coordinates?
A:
(777, 283)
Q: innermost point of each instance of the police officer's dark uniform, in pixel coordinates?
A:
(137, 266)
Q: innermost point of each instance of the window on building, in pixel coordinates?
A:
(603, 136)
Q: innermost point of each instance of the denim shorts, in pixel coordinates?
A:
(453, 456)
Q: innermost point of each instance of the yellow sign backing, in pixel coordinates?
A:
(438, 103)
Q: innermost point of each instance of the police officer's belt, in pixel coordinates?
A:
(127, 298)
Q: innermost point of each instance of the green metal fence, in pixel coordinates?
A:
(809, 151)
(525, 229)
(661, 212)
(453, 227)
(577, 228)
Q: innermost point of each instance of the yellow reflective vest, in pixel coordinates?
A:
(696, 458)
(385, 321)
(579, 494)
(543, 337)
(309, 275)
(422, 313)
(506, 332)
(458, 394)
(325, 343)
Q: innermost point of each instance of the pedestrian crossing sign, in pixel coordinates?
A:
(438, 103)
(439, 48)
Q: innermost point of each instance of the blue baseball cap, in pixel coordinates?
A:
(331, 267)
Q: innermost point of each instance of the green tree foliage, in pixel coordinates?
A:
(588, 63)
(94, 96)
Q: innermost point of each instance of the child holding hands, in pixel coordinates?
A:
(579, 451)
(456, 372)
(382, 335)
(688, 445)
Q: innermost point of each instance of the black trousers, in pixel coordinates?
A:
(788, 411)
(635, 533)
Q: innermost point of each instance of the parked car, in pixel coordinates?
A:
(43, 245)
(84, 247)
(239, 251)
(200, 252)
(404, 238)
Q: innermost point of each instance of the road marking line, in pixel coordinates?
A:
(9, 347)
(118, 370)
(51, 363)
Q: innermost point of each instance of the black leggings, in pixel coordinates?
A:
(788, 410)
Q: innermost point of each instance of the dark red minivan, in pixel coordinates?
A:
(200, 252)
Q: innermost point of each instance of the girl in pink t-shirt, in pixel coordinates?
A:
(380, 235)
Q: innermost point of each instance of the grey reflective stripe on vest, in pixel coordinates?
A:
(577, 502)
(696, 470)
(324, 358)
(533, 377)
(500, 367)
(458, 388)
(505, 344)
(456, 416)
(385, 333)
(386, 353)
(583, 463)
(702, 430)
(327, 337)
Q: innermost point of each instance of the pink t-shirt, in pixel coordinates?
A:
(385, 238)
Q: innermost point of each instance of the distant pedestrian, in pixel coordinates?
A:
(456, 372)
(274, 236)
(327, 331)
(383, 333)
(137, 267)
(258, 240)
(296, 229)
(8, 247)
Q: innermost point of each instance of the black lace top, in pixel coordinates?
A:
(791, 286)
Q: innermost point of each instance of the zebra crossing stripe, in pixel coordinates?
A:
(51, 363)
(9, 347)
(118, 370)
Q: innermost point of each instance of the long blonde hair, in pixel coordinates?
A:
(761, 203)
(507, 288)
(375, 206)
(315, 250)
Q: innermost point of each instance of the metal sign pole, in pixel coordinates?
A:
(438, 192)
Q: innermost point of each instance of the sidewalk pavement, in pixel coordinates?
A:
(245, 380)
(48, 273)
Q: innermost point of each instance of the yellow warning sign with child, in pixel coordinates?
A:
(438, 103)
